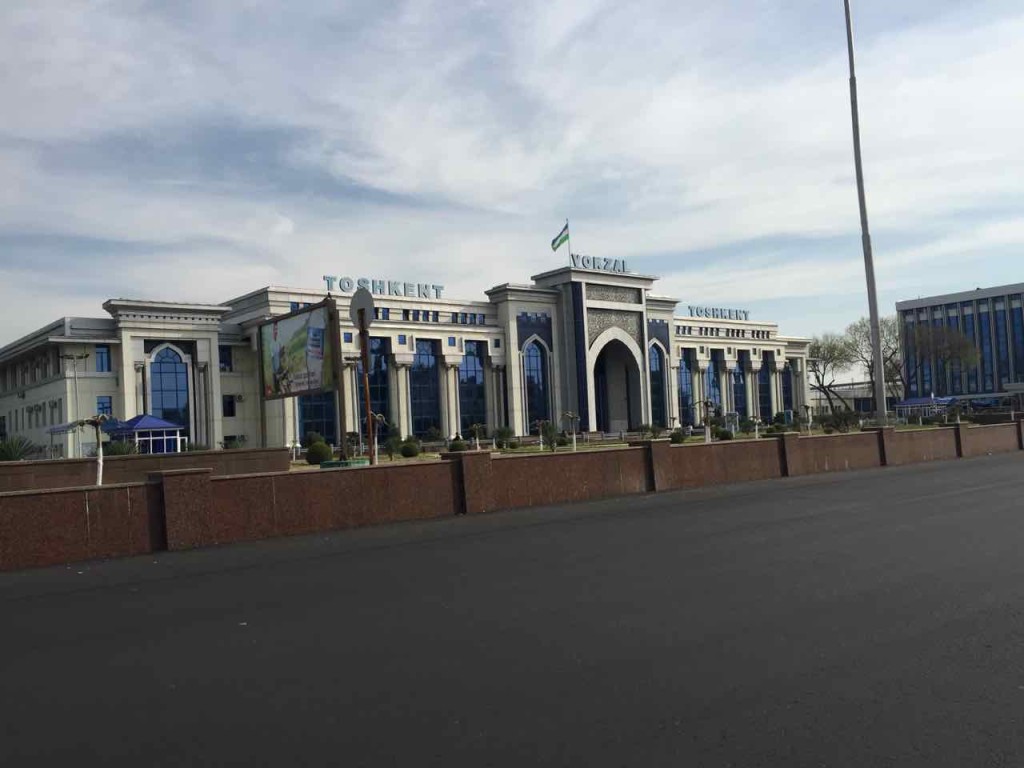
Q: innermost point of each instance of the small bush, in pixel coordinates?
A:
(513, 444)
(434, 435)
(410, 450)
(16, 448)
(657, 431)
(503, 436)
(677, 437)
(723, 434)
(312, 437)
(457, 446)
(747, 426)
(317, 453)
(119, 448)
(644, 430)
(562, 441)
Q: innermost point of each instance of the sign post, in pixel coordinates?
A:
(361, 311)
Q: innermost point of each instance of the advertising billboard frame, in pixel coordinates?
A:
(330, 345)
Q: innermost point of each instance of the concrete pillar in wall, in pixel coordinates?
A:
(141, 405)
(351, 391)
(489, 389)
(201, 434)
(450, 401)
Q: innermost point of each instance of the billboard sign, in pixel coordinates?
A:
(297, 352)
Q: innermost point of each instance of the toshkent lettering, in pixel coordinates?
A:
(718, 313)
(384, 287)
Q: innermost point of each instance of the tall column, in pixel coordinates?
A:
(403, 412)
(672, 398)
(140, 390)
(489, 398)
(699, 394)
(749, 380)
(201, 437)
(725, 387)
(774, 381)
(452, 388)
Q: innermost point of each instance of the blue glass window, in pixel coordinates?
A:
(480, 319)
(425, 389)
(385, 313)
(968, 320)
(294, 306)
(535, 368)
(169, 377)
(764, 391)
(955, 368)
(739, 391)
(104, 405)
(348, 337)
(712, 385)
(911, 363)
(985, 337)
(1017, 323)
(451, 341)
(659, 415)
(227, 406)
(379, 384)
(317, 414)
(402, 339)
(225, 358)
(1002, 345)
(472, 400)
(685, 390)
(497, 343)
(787, 388)
(102, 358)
(455, 317)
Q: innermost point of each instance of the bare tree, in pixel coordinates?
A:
(858, 336)
(830, 354)
(945, 346)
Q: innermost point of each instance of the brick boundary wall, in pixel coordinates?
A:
(194, 507)
(74, 473)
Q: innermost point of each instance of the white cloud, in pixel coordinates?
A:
(657, 127)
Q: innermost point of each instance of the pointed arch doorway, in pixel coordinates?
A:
(618, 388)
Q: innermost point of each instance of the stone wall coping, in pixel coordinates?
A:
(136, 457)
(72, 489)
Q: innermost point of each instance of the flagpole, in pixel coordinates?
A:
(568, 240)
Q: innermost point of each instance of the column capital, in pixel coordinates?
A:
(140, 365)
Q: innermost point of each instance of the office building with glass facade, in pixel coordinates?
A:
(592, 346)
(991, 318)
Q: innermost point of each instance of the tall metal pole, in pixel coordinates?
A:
(869, 264)
(364, 343)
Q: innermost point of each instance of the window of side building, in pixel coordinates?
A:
(102, 358)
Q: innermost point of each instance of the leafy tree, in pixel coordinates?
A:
(830, 354)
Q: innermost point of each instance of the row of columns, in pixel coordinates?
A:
(751, 384)
(400, 398)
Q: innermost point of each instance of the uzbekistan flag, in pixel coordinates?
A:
(562, 237)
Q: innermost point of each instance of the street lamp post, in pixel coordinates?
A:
(78, 415)
(869, 264)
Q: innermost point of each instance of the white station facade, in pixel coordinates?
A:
(589, 346)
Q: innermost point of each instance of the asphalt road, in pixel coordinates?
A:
(866, 619)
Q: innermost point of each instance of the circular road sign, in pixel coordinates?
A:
(362, 299)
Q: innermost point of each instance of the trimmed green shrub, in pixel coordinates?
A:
(312, 437)
(513, 444)
(677, 436)
(503, 436)
(457, 446)
(562, 441)
(410, 449)
(723, 434)
(657, 431)
(119, 448)
(318, 453)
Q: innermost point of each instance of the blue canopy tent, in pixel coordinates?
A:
(150, 434)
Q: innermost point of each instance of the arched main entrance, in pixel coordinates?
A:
(618, 392)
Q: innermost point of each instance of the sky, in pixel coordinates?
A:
(196, 151)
